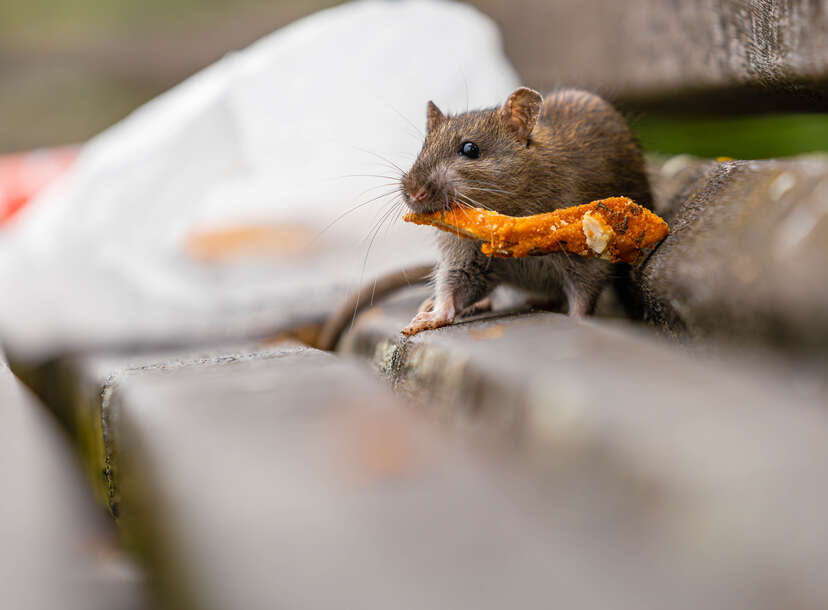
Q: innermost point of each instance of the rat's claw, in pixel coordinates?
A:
(441, 314)
(425, 320)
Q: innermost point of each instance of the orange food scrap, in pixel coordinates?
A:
(250, 242)
(615, 229)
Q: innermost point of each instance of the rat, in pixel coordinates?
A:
(528, 156)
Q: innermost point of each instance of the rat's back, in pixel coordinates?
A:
(593, 143)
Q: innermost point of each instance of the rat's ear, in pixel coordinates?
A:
(435, 117)
(521, 111)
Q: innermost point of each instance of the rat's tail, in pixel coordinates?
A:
(367, 294)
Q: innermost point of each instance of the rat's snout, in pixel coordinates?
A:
(427, 191)
(417, 192)
(419, 195)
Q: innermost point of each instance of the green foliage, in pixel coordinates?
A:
(750, 137)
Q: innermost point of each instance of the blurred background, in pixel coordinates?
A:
(70, 69)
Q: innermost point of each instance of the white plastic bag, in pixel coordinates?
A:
(265, 135)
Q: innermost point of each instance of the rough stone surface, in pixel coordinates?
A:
(57, 549)
(723, 464)
(648, 49)
(748, 252)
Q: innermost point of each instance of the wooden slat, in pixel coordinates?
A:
(702, 55)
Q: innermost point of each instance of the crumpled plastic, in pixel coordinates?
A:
(306, 124)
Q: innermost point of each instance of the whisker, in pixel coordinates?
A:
(409, 121)
(373, 233)
(485, 207)
(398, 204)
(488, 190)
(463, 206)
(474, 203)
(465, 209)
(386, 166)
(365, 176)
(394, 188)
(377, 223)
(484, 182)
(378, 156)
(352, 210)
(487, 184)
(393, 218)
(491, 236)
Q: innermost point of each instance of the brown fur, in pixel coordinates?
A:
(535, 156)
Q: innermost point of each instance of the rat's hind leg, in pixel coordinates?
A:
(481, 306)
(580, 303)
(583, 285)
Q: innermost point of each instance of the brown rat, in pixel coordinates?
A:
(530, 155)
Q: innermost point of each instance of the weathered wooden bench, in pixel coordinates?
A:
(520, 458)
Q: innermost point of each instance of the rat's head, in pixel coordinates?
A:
(477, 158)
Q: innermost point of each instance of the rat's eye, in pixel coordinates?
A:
(470, 150)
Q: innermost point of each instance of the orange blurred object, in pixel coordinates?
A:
(24, 175)
(251, 241)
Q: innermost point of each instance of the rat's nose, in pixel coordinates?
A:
(419, 195)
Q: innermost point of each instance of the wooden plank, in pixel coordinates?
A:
(58, 549)
(721, 454)
(299, 482)
(747, 254)
(703, 55)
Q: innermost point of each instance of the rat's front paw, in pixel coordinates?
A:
(427, 320)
